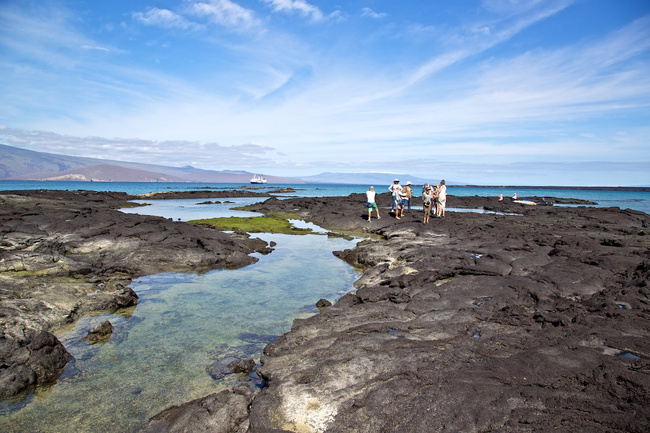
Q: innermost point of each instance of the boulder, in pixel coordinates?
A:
(322, 304)
(37, 358)
(223, 412)
(100, 333)
(242, 366)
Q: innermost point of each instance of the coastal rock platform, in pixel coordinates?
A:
(64, 254)
(530, 318)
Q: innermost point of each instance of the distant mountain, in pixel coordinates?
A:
(111, 173)
(366, 178)
(16, 163)
(21, 164)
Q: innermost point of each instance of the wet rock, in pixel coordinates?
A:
(100, 334)
(35, 358)
(220, 369)
(258, 338)
(229, 365)
(224, 412)
(240, 366)
(322, 304)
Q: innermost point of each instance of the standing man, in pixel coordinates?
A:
(408, 193)
(427, 202)
(396, 190)
(370, 202)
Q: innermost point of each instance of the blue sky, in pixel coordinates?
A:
(538, 92)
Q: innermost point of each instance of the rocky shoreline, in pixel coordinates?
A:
(64, 254)
(526, 318)
(531, 318)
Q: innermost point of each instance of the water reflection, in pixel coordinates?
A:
(159, 351)
(187, 209)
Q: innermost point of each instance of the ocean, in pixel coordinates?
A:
(637, 200)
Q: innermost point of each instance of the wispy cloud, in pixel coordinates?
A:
(45, 38)
(197, 15)
(298, 6)
(372, 91)
(367, 12)
(164, 18)
(483, 35)
(226, 13)
(165, 152)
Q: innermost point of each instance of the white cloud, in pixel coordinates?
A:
(515, 7)
(226, 13)
(440, 92)
(164, 18)
(300, 6)
(164, 152)
(96, 48)
(367, 12)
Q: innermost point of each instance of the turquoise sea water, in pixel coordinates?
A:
(637, 200)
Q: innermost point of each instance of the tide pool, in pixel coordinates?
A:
(188, 209)
(160, 350)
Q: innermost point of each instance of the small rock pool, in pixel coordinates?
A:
(160, 350)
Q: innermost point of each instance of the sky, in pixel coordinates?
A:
(493, 92)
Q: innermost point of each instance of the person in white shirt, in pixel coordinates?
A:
(371, 203)
(408, 193)
(396, 190)
(442, 198)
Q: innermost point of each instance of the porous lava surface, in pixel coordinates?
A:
(535, 318)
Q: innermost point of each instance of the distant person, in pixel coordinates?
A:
(396, 190)
(434, 210)
(500, 197)
(442, 198)
(400, 201)
(408, 193)
(514, 197)
(370, 203)
(427, 203)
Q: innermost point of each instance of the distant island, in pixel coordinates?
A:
(22, 164)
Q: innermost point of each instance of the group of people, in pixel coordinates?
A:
(434, 200)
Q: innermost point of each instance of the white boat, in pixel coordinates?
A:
(258, 179)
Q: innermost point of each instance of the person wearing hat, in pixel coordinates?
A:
(427, 202)
(396, 190)
(370, 202)
(408, 193)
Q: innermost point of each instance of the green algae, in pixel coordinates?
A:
(264, 224)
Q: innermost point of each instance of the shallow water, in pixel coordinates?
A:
(188, 209)
(159, 351)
